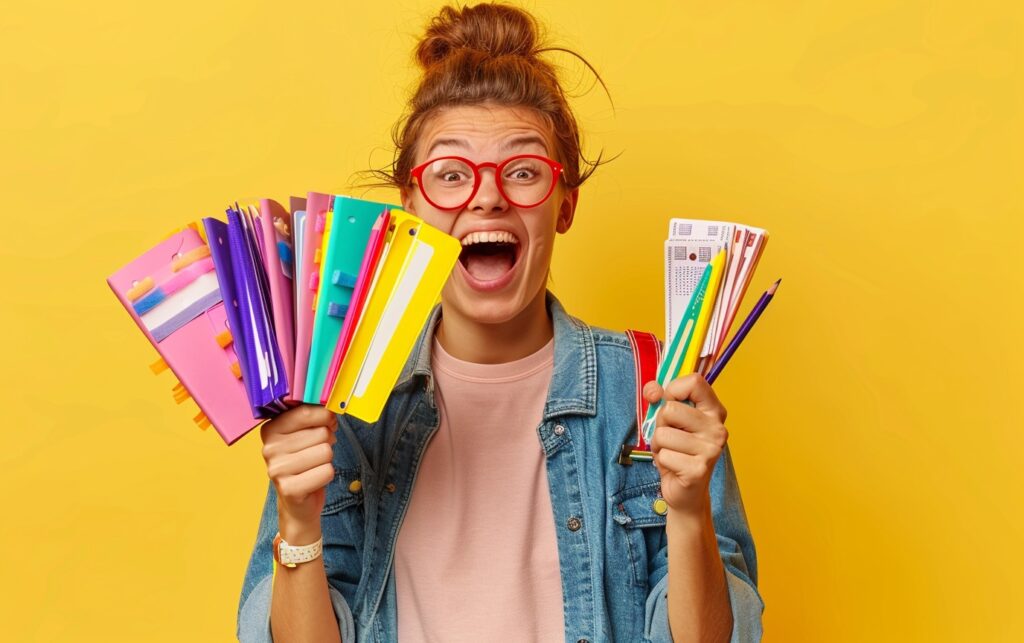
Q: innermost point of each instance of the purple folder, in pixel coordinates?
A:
(244, 285)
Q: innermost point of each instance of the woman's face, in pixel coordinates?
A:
(506, 250)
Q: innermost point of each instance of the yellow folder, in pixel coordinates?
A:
(413, 269)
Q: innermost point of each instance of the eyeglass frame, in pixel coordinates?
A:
(556, 173)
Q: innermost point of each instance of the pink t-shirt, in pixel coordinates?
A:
(476, 557)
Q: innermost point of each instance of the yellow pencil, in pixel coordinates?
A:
(704, 316)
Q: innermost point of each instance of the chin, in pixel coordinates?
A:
(490, 308)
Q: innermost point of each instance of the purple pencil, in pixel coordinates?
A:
(748, 323)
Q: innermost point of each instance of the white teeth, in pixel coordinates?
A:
(495, 236)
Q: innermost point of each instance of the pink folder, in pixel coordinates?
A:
(317, 205)
(272, 212)
(171, 293)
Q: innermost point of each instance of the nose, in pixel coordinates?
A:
(488, 198)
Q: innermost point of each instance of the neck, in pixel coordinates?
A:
(471, 341)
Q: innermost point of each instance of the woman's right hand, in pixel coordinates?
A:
(298, 446)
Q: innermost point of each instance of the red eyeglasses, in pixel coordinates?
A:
(451, 182)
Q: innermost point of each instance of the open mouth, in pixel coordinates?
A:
(489, 257)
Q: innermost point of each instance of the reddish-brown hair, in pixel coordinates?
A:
(489, 53)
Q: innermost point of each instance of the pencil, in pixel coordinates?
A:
(748, 323)
(676, 353)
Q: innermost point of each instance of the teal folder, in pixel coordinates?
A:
(350, 223)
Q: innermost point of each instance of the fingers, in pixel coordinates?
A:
(299, 462)
(298, 447)
(709, 443)
(298, 418)
(689, 471)
(683, 416)
(691, 387)
(667, 437)
(695, 388)
(295, 488)
(285, 443)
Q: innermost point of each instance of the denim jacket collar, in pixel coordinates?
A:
(573, 389)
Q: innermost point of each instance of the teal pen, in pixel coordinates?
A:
(677, 350)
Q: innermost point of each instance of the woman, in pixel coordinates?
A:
(488, 501)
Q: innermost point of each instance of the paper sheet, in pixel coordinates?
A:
(690, 246)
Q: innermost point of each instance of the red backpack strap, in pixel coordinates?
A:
(646, 357)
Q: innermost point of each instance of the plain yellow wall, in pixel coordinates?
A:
(875, 412)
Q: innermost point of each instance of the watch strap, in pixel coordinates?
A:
(292, 555)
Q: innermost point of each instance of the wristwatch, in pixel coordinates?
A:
(292, 555)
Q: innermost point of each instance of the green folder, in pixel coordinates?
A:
(350, 225)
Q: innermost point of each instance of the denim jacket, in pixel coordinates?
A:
(612, 546)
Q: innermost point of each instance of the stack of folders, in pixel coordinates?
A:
(320, 302)
(689, 249)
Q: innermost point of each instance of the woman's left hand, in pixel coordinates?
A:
(687, 441)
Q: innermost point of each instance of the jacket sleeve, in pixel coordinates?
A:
(736, 547)
(254, 603)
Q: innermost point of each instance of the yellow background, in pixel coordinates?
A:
(875, 411)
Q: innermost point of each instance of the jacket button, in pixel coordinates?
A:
(559, 429)
(355, 486)
(660, 507)
(574, 523)
(390, 487)
(583, 641)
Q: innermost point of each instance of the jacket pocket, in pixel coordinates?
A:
(639, 511)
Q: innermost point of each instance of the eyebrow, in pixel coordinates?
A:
(454, 142)
(524, 141)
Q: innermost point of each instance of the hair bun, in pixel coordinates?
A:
(491, 29)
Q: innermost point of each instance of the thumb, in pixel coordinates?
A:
(652, 391)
